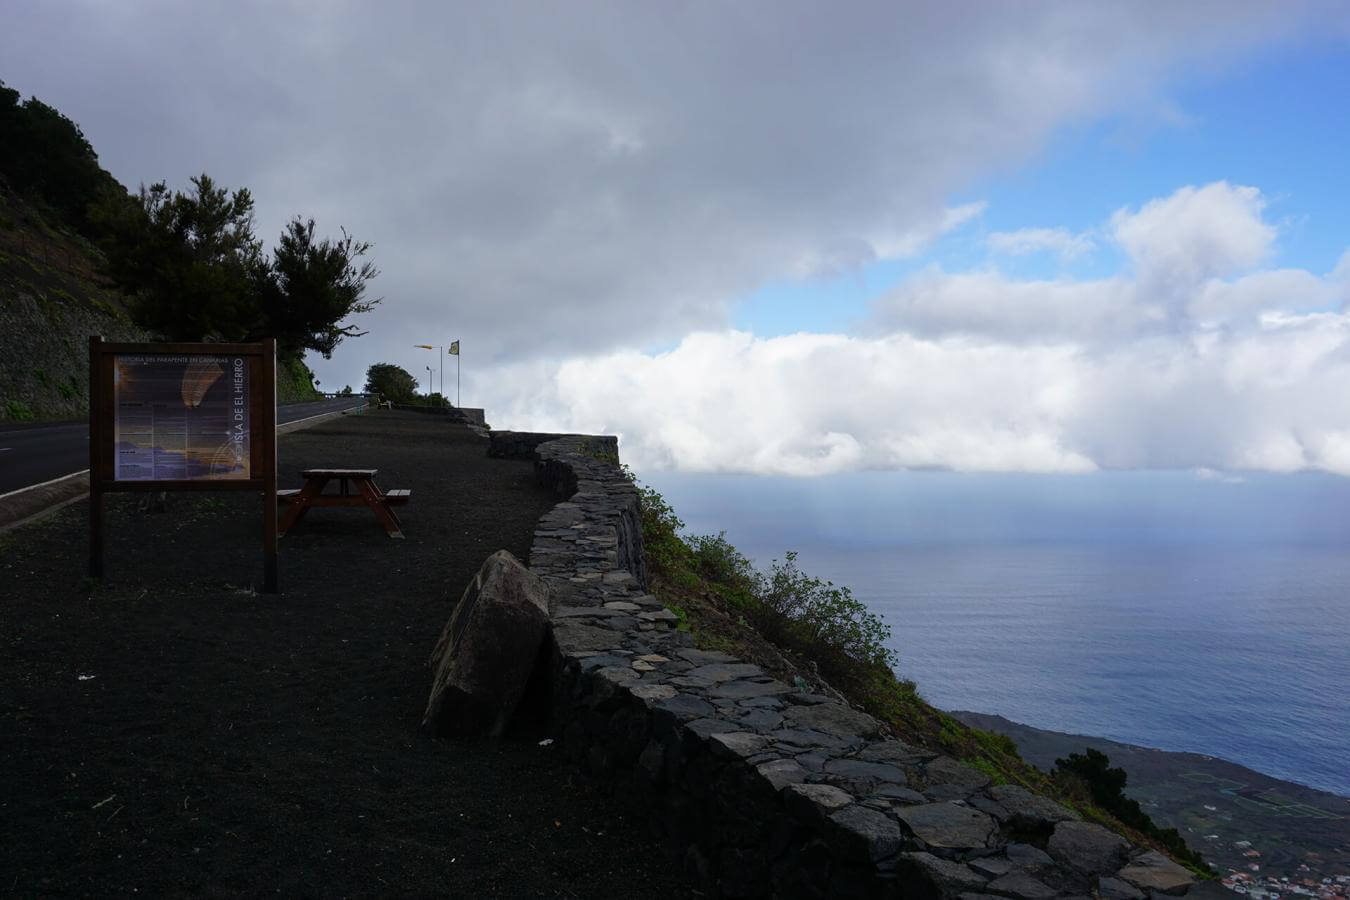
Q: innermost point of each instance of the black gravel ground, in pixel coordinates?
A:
(172, 732)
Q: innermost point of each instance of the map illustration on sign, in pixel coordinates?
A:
(180, 418)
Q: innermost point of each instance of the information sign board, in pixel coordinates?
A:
(183, 417)
(180, 417)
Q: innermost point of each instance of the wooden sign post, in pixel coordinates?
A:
(183, 417)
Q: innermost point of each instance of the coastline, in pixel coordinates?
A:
(1252, 827)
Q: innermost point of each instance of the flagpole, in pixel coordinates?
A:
(454, 351)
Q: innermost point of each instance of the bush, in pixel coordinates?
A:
(1090, 775)
(18, 411)
(719, 562)
(994, 742)
(391, 382)
(665, 550)
(818, 613)
(816, 618)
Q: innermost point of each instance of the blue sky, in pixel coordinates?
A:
(1276, 120)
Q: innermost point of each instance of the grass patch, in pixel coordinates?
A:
(988, 768)
(295, 382)
(17, 411)
(600, 450)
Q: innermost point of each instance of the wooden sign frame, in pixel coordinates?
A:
(260, 360)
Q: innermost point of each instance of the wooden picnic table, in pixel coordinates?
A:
(356, 487)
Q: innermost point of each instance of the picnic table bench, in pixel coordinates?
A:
(356, 487)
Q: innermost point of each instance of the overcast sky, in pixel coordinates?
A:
(789, 238)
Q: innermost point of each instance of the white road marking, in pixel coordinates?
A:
(45, 483)
(321, 415)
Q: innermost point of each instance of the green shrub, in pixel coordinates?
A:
(665, 550)
(17, 411)
(681, 615)
(816, 618)
(719, 562)
(1090, 774)
(819, 614)
(995, 742)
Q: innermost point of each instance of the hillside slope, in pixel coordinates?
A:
(51, 300)
(1226, 810)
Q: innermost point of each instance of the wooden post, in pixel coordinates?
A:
(269, 439)
(96, 438)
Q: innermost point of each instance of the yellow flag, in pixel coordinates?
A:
(454, 348)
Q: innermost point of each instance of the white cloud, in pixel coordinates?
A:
(809, 404)
(890, 242)
(991, 304)
(1197, 233)
(1192, 254)
(1060, 241)
(1216, 302)
(978, 371)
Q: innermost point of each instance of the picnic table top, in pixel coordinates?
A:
(339, 473)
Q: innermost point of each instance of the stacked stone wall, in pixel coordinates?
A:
(461, 414)
(471, 415)
(756, 787)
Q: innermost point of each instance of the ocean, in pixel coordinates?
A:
(1225, 635)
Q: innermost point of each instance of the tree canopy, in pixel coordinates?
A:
(196, 271)
(312, 286)
(391, 382)
(1105, 786)
(45, 156)
(190, 262)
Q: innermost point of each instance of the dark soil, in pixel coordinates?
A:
(171, 731)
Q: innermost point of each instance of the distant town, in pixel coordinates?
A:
(1305, 882)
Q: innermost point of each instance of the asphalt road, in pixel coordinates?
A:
(32, 454)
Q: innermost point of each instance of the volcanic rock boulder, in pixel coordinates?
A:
(488, 650)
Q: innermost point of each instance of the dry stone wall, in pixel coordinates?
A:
(756, 787)
(464, 415)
